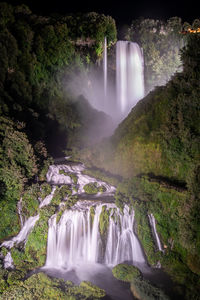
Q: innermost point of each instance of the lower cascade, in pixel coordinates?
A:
(78, 237)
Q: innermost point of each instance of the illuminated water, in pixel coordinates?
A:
(129, 76)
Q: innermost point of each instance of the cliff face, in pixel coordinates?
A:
(161, 133)
(156, 150)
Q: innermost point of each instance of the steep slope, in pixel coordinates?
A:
(156, 151)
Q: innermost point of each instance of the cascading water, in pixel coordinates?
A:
(77, 239)
(105, 69)
(129, 75)
(77, 248)
(153, 226)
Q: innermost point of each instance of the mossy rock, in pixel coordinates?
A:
(126, 272)
(62, 172)
(104, 221)
(91, 188)
(92, 214)
(41, 287)
(38, 286)
(94, 290)
(4, 251)
(143, 290)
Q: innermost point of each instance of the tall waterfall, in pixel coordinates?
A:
(76, 237)
(129, 75)
(105, 69)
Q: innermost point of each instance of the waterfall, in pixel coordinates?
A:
(48, 198)
(8, 261)
(23, 234)
(153, 226)
(129, 75)
(19, 210)
(105, 75)
(77, 239)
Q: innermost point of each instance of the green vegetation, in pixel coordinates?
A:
(101, 175)
(153, 155)
(17, 166)
(125, 272)
(161, 43)
(40, 286)
(72, 175)
(30, 201)
(156, 151)
(104, 221)
(93, 188)
(34, 254)
(143, 290)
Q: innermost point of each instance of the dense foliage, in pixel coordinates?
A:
(161, 43)
(40, 286)
(36, 111)
(156, 150)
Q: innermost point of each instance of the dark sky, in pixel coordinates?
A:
(122, 11)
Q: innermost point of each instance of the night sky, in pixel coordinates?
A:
(122, 11)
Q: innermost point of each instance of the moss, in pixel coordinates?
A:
(143, 290)
(45, 190)
(3, 281)
(172, 207)
(30, 201)
(15, 277)
(93, 290)
(36, 245)
(59, 214)
(102, 175)
(60, 194)
(34, 254)
(74, 178)
(63, 172)
(144, 233)
(4, 251)
(102, 189)
(125, 272)
(71, 175)
(92, 214)
(91, 188)
(40, 286)
(104, 221)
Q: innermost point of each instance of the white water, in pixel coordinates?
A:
(122, 244)
(105, 69)
(8, 261)
(48, 198)
(75, 240)
(19, 209)
(129, 76)
(23, 234)
(54, 177)
(155, 233)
